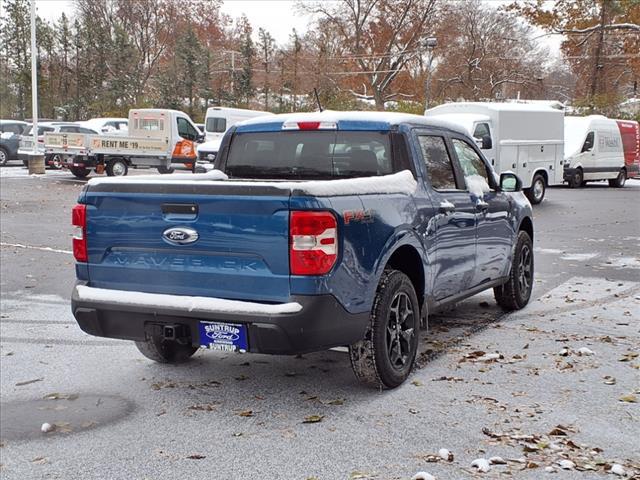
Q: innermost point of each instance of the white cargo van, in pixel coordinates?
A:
(216, 122)
(594, 151)
(527, 139)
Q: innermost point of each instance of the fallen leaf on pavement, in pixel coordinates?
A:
(61, 396)
(246, 413)
(196, 456)
(609, 380)
(313, 419)
(27, 382)
(629, 398)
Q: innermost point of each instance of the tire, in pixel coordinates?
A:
(4, 156)
(536, 193)
(516, 292)
(56, 162)
(80, 172)
(577, 179)
(165, 170)
(620, 180)
(165, 351)
(385, 356)
(117, 168)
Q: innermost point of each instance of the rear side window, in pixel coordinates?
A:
(439, 166)
(69, 129)
(310, 155)
(41, 130)
(216, 125)
(15, 128)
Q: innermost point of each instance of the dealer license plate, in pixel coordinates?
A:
(225, 337)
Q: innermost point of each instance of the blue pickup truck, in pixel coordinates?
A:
(314, 231)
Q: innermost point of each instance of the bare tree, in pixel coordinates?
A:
(379, 38)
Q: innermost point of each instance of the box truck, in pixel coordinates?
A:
(527, 139)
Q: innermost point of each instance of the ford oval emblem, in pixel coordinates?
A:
(180, 235)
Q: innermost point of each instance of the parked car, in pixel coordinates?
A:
(317, 230)
(10, 132)
(108, 125)
(594, 151)
(53, 160)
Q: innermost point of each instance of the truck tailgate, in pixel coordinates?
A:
(241, 246)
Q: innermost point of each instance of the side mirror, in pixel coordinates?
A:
(200, 138)
(484, 142)
(509, 182)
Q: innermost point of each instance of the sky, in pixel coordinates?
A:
(276, 16)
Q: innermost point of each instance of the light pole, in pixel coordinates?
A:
(36, 159)
(430, 43)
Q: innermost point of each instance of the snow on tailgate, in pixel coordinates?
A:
(180, 302)
(401, 182)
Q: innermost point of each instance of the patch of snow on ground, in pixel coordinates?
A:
(622, 262)
(578, 257)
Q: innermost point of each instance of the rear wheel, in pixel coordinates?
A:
(4, 156)
(538, 189)
(577, 179)
(385, 357)
(80, 172)
(165, 351)
(164, 170)
(117, 168)
(55, 162)
(516, 292)
(620, 180)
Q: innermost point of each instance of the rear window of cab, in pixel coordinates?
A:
(310, 154)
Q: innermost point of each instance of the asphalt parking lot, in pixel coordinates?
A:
(553, 389)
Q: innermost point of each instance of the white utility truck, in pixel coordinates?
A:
(594, 150)
(527, 139)
(217, 121)
(157, 138)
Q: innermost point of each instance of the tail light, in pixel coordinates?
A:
(313, 242)
(79, 220)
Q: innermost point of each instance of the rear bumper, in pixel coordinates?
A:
(319, 324)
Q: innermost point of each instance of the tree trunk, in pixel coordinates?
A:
(598, 54)
(379, 99)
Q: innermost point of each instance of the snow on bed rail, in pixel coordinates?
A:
(188, 178)
(401, 182)
(181, 302)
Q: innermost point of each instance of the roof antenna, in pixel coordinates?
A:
(315, 91)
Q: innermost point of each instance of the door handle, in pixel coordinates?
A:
(482, 206)
(447, 207)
